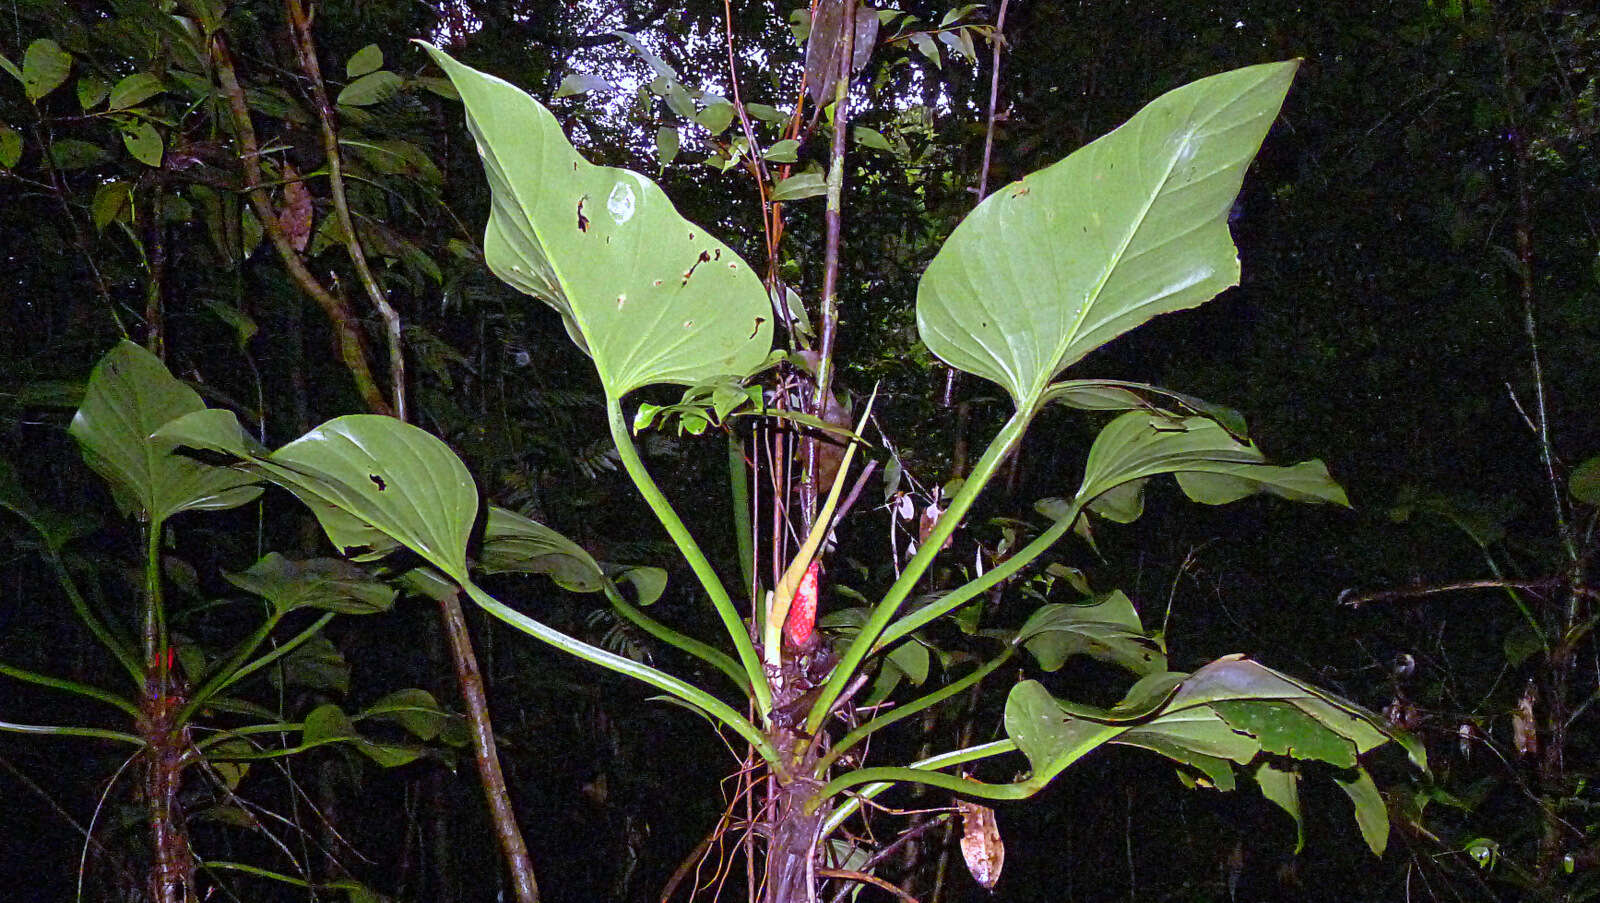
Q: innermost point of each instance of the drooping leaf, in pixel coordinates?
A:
(1133, 225)
(130, 396)
(10, 147)
(1212, 466)
(1188, 727)
(111, 200)
(513, 543)
(315, 664)
(981, 846)
(1282, 787)
(1371, 815)
(1107, 629)
(328, 724)
(413, 709)
(667, 139)
(330, 584)
(651, 297)
(372, 481)
(1122, 395)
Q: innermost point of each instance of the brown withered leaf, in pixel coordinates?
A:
(294, 217)
(1524, 727)
(981, 846)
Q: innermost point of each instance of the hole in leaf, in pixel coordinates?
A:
(378, 481)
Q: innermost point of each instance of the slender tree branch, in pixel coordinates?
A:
(484, 752)
(1356, 600)
(352, 343)
(306, 49)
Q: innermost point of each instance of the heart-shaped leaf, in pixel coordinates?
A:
(1133, 225)
(650, 296)
(129, 397)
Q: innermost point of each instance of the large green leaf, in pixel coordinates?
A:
(650, 296)
(330, 584)
(1131, 226)
(1230, 711)
(372, 481)
(129, 397)
(1212, 466)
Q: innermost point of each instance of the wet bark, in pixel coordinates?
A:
(171, 878)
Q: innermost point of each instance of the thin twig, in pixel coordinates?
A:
(1356, 600)
(865, 878)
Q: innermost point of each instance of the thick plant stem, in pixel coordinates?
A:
(172, 868)
(171, 876)
(512, 845)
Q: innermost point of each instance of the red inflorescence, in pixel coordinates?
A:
(801, 627)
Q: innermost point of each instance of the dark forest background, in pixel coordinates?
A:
(1420, 239)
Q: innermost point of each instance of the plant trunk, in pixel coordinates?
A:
(171, 878)
(792, 833)
(791, 874)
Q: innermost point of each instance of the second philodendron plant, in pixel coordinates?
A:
(1044, 271)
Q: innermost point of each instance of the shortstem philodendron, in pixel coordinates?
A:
(1041, 273)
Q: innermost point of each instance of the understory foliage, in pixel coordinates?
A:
(796, 394)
